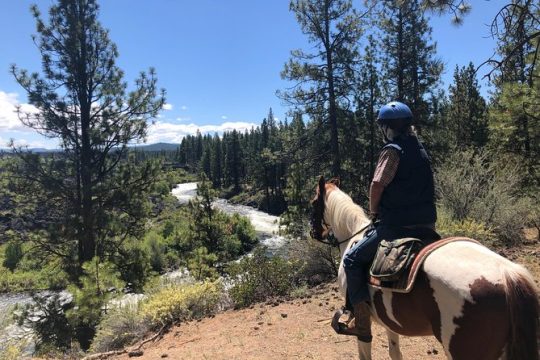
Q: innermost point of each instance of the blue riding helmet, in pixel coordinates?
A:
(392, 111)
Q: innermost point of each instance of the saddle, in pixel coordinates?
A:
(397, 262)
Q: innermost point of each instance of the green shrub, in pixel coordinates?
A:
(96, 286)
(201, 264)
(258, 277)
(45, 315)
(11, 351)
(156, 251)
(133, 263)
(13, 254)
(319, 262)
(120, 327)
(484, 188)
(181, 302)
(447, 227)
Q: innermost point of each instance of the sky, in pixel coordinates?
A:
(219, 60)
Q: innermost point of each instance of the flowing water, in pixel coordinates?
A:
(266, 226)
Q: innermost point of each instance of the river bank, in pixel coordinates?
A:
(266, 227)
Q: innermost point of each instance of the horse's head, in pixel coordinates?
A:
(319, 227)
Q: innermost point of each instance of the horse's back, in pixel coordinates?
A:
(469, 284)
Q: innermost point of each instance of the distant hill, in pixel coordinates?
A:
(156, 147)
(151, 147)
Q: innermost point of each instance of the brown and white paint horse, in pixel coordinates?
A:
(479, 305)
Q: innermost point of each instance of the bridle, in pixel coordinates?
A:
(332, 240)
(327, 234)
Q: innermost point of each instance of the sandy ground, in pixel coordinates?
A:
(297, 329)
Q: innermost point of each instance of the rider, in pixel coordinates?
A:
(401, 198)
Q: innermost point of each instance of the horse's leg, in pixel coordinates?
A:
(393, 345)
(364, 350)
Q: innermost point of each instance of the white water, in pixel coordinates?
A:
(266, 225)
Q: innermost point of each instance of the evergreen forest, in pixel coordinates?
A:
(97, 219)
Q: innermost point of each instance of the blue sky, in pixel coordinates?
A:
(219, 61)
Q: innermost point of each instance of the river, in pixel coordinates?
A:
(266, 226)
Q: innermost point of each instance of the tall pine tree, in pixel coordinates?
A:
(83, 101)
(324, 77)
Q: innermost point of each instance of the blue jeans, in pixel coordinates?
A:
(357, 260)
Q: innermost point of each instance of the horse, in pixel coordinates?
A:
(477, 304)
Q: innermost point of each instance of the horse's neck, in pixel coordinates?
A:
(346, 218)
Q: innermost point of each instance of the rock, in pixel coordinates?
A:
(164, 355)
(283, 315)
(135, 353)
(255, 328)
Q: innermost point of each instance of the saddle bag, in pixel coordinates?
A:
(394, 257)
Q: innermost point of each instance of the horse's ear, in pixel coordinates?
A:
(336, 181)
(322, 184)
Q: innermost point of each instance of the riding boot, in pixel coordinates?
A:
(362, 322)
(358, 324)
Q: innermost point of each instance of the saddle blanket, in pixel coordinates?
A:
(406, 281)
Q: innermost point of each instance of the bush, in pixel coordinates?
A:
(181, 302)
(447, 227)
(13, 254)
(133, 263)
(156, 251)
(319, 262)
(97, 284)
(120, 327)
(258, 277)
(45, 315)
(11, 351)
(485, 189)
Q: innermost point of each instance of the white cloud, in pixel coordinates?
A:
(9, 120)
(167, 106)
(23, 142)
(224, 117)
(187, 118)
(174, 133)
(184, 107)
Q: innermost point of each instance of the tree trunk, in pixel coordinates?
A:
(332, 111)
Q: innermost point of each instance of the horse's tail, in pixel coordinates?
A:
(522, 301)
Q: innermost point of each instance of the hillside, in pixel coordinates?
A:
(298, 329)
(295, 329)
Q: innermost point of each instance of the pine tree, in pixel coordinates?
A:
(324, 78)
(410, 69)
(368, 99)
(298, 189)
(216, 161)
(467, 124)
(83, 101)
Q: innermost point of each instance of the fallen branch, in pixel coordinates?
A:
(105, 355)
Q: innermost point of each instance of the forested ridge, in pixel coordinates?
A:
(97, 218)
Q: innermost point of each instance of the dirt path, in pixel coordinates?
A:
(298, 329)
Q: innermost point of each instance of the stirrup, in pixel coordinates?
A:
(342, 328)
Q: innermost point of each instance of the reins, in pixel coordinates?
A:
(333, 241)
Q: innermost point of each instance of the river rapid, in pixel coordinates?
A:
(266, 226)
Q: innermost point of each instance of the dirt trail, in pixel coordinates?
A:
(298, 329)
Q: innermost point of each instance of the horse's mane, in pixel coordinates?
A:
(345, 216)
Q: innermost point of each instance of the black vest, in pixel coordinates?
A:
(409, 199)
